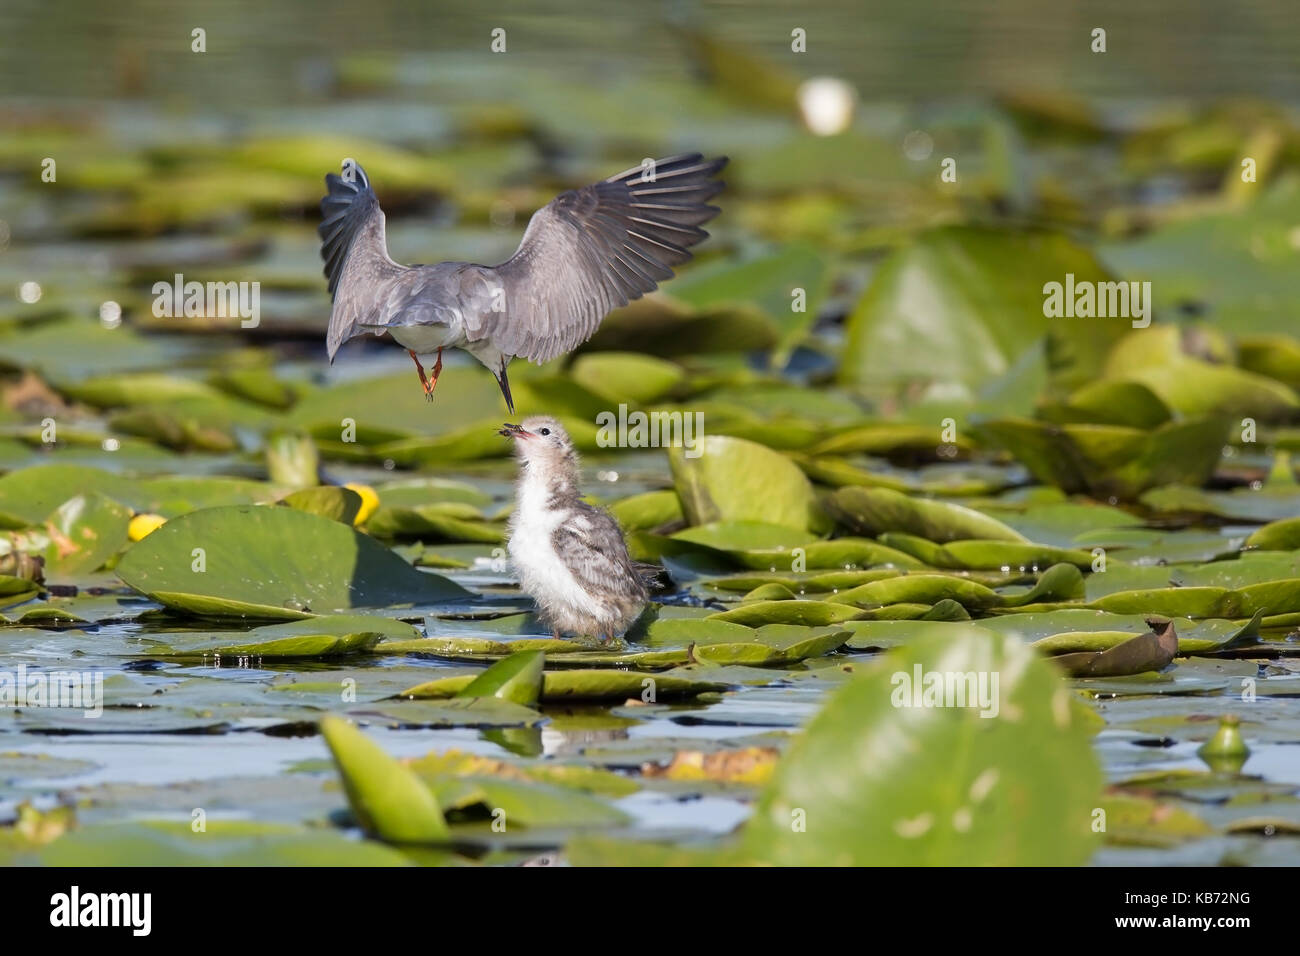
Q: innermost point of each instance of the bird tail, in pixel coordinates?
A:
(651, 575)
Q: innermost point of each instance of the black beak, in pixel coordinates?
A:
(504, 382)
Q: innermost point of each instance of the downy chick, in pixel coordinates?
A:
(571, 558)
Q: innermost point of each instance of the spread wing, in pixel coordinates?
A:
(591, 250)
(360, 273)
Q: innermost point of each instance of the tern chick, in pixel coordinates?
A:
(586, 252)
(571, 558)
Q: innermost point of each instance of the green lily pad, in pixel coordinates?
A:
(836, 553)
(337, 504)
(518, 678)
(523, 803)
(233, 562)
(627, 376)
(388, 800)
(738, 480)
(936, 785)
(1281, 535)
(584, 685)
(806, 613)
(987, 555)
(1111, 460)
(440, 521)
(221, 843)
(955, 306)
(647, 511)
(330, 635)
(876, 510)
(29, 495)
(84, 532)
(743, 535)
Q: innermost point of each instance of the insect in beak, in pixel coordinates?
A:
(514, 431)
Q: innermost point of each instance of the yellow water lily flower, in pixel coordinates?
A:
(369, 501)
(143, 525)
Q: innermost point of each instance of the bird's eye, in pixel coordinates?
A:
(546, 431)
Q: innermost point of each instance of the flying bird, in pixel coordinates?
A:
(585, 253)
(571, 557)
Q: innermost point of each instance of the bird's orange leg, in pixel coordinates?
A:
(431, 382)
(420, 368)
(433, 376)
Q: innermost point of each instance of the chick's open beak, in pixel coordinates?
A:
(514, 431)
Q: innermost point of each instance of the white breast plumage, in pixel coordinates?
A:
(532, 551)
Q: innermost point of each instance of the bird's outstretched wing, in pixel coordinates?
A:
(591, 250)
(356, 255)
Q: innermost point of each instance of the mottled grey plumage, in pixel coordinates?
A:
(583, 254)
(571, 557)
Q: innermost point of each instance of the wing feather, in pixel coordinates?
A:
(591, 250)
(355, 251)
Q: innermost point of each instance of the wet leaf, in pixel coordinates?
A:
(935, 784)
(1111, 460)
(627, 376)
(738, 480)
(232, 562)
(84, 532)
(388, 800)
(337, 504)
(518, 678)
(223, 843)
(585, 685)
(938, 310)
(876, 510)
(1153, 651)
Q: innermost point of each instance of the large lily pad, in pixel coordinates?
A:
(233, 562)
(738, 480)
(877, 780)
(955, 306)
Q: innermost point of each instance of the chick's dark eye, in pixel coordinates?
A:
(546, 431)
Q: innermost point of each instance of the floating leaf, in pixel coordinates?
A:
(1281, 535)
(1111, 460)
(875, 510)
(806, 613)
(84, 532)
(627, 376)
(954, 306)
(234, 562)
(936, 785)
(518, 678)
(221, 843)
(584, 685)
(1153, 651)
(647, 511)
(738, 480)
(337, 504)
(388, 800)
(331, 635)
